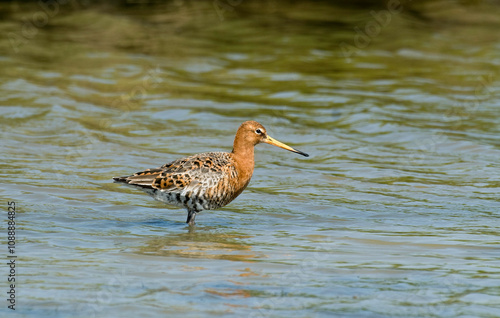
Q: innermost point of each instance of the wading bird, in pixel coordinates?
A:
(209, 180)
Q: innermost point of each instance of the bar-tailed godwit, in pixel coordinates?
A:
(209, 180)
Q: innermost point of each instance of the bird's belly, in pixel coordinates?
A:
(170, 198)
(190, 201)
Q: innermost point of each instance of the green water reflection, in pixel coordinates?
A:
(394, 214)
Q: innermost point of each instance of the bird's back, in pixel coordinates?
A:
(200, 182)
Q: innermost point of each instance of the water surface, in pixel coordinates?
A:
(394, 214)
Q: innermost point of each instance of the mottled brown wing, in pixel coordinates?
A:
(194, 174)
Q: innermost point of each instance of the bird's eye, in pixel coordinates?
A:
(258, 131)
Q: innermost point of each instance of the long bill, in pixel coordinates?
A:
(274, 142)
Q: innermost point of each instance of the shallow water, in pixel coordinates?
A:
(395, 213)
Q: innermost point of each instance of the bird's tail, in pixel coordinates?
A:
(141, 179)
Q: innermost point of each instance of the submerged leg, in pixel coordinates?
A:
(191, 217)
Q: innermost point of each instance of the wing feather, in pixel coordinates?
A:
(193, 174)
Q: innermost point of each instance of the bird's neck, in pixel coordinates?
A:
(243, 154)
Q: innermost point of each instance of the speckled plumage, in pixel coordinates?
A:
(201, 182)
(205, 181)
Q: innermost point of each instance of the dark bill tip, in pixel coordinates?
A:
(301, 153)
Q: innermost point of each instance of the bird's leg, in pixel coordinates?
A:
(191, 217)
